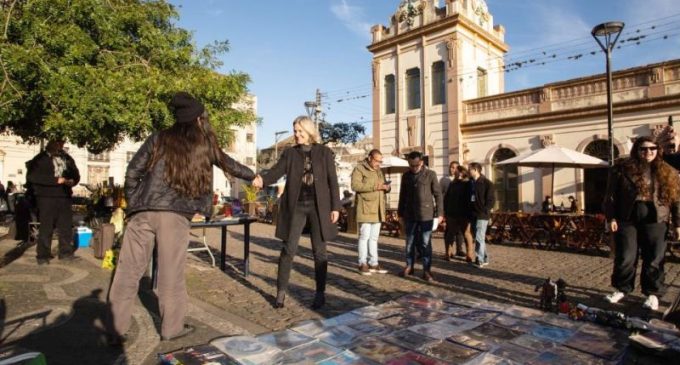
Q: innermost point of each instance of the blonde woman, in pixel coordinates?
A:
(311, 196)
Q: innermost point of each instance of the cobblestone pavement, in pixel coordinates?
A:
(57, 308)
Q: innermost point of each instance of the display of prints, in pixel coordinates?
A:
(462, 300)
(515, 353)
(479, 315)
(420, 301)
(435, 330)
(343, 319)
(408, 339)
(371, 327)
(514, 323)
(653, 340)
(605, 346)
(412, 358)
(248, 350)
(458, 324)
(310, 327)
(400, 321)
(490, 359)
(339, 336)
(378, 350)
(384, 310)
(452, 309)
(285, 339)
(450, 352)
(558, 321)
(426, 315)
(310, 353)
(565, 356)
(552, 333)
(535, 343)
(489, 330)
(347, 358)
(524, 312)
(197, 355)
(471, 341)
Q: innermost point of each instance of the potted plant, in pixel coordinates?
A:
(250, 198)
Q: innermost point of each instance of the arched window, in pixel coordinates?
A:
(505, 181)
(594, 180)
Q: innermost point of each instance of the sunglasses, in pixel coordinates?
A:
(652, 148)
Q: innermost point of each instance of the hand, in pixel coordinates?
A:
(335, 215)
(677, 233)
(379, 186)
(442, 219)
(613, 226)
(257, 182)
(61, 180)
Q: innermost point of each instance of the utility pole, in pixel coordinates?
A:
(276, 143)
(314, 108)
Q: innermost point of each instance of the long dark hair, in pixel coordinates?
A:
(189, 150)
(667, 177)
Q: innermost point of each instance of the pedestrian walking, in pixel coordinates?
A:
(420, 201)
(311, 196)
(643, 192)
(370, 186)
(52, 173)
(481, 202)
(167, 181)
(456, 209)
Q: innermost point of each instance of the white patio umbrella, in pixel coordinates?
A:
(555, 156)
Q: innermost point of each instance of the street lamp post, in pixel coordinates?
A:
(276, 143)
(603, 34)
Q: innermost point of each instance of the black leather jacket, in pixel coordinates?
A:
(620, 196)
(147, 190)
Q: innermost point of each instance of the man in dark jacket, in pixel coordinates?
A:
(457, 210)
(481, 202)
(52, 173)
(420, 201)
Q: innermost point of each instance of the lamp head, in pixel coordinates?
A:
(608, 28)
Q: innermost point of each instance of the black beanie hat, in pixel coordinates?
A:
(186, 108)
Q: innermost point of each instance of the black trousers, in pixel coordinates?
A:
(639, 239)
(305, 212)
(55, 212)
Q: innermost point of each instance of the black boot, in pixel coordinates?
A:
(319, 300)
(280, 298)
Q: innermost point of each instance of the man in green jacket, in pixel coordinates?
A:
(370, 187)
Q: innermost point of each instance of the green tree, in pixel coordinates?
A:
(341, 132)
(94, 71)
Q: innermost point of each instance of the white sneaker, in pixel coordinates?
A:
(652, 303)
(615, 297)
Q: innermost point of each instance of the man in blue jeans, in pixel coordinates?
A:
(420, 200)
(481, 201)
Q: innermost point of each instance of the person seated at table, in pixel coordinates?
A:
(168, 180)
(643, 193)
(572, 204)
(548, 206)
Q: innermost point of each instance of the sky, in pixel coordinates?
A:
(291, 48)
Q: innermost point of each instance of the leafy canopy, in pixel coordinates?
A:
(341, 132)
(94, 71)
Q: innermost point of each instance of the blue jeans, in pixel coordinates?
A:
(479, 232)
(368, 243)
(419, 233)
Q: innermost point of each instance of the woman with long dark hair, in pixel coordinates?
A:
(311, 196)
(167, 181)
(643, 192)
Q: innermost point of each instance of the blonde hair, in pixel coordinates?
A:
(308, 126)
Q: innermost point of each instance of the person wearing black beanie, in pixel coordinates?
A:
(167, 181)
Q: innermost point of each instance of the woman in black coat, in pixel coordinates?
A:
(642, 195)
(311, 195)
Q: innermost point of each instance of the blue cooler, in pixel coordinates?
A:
(82, 237)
